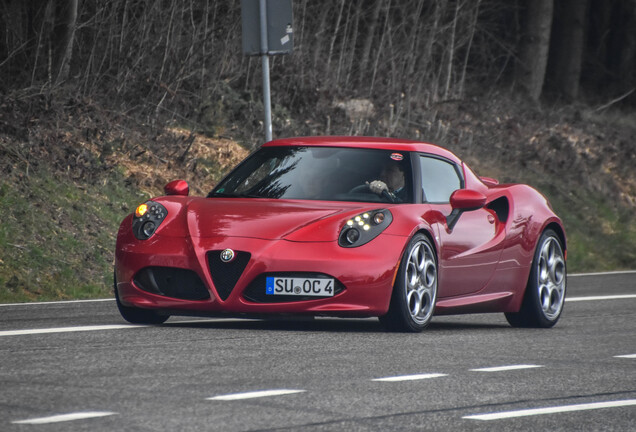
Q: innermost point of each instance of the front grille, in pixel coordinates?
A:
(171, 282)
(225, 275)
(255, 292)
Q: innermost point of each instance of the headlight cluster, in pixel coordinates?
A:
(364, 227)
(148, 217)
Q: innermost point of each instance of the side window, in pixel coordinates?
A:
(439, 179)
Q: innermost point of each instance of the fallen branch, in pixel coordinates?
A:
(612, 102)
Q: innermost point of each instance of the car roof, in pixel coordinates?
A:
(365, 142)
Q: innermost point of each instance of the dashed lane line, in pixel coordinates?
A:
(65, 417)
(112, 327)
(506, 368)
(57, 302)
(68, 329)
(598, 298)
(410, 377)
(254, 394)
(551, 410)
(627, 356)
(609, 273)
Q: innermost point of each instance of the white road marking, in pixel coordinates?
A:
(619, 272)
(254, 394)
(65, 417)
(551, 410)
(596, 298)
(410, 377)
(506, 368)
(56, 302)
(627, 356)
(67, 329)
(108, 327)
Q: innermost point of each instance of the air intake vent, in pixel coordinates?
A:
(171, 282)
(226, 274)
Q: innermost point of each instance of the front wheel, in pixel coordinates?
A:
(137, 315)
(415, 290)
(545, 293)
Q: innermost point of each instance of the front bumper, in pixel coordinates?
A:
(365, 274)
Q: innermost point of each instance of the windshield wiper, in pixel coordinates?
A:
(229, 195)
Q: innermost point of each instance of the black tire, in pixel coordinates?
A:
(415, 291)
(137, 315)
(545, 292)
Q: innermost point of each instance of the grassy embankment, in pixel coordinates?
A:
(57, 236)
(59, 214)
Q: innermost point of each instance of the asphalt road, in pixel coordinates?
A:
(83, 362)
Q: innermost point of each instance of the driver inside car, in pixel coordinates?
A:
(390, 182)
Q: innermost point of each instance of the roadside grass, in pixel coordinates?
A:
(57, 237)
(600, 230)
(601, 236)
(597, 244)
(66, 190)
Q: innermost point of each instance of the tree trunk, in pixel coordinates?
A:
(366, 50)
(535, 44)
(62, 38)
(334, 35)
(568, 43)
(627, 59)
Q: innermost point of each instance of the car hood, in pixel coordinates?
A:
(268, 219)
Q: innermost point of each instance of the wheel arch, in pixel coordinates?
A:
(560, 232)
(431, 238)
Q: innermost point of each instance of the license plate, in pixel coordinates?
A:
(299, 286)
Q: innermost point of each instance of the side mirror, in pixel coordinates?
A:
(467, 200)
(463, 200)
(177, 187)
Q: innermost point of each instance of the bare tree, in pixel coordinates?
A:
(368, 41)
(568, 45)
(627, 59)
(182, 57)
(535, 44)
(62, 38)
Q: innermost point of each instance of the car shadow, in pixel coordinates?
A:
(330, 325)
(290, 325)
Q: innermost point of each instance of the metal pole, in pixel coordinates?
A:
(267, 99)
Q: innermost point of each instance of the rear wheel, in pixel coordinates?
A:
(137, 315)
(545, 293)
(415, 290)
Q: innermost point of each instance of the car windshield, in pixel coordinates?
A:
(321, 173)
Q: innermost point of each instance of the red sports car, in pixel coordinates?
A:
(345, 226)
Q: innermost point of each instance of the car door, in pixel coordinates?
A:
(469, 253)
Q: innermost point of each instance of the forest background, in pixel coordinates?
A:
(103, 102)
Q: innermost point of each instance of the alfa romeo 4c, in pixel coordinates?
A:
(345, 226)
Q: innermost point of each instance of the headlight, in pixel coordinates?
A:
(148, 217)
(364, 227)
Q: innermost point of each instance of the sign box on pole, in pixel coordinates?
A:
(280, 36)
